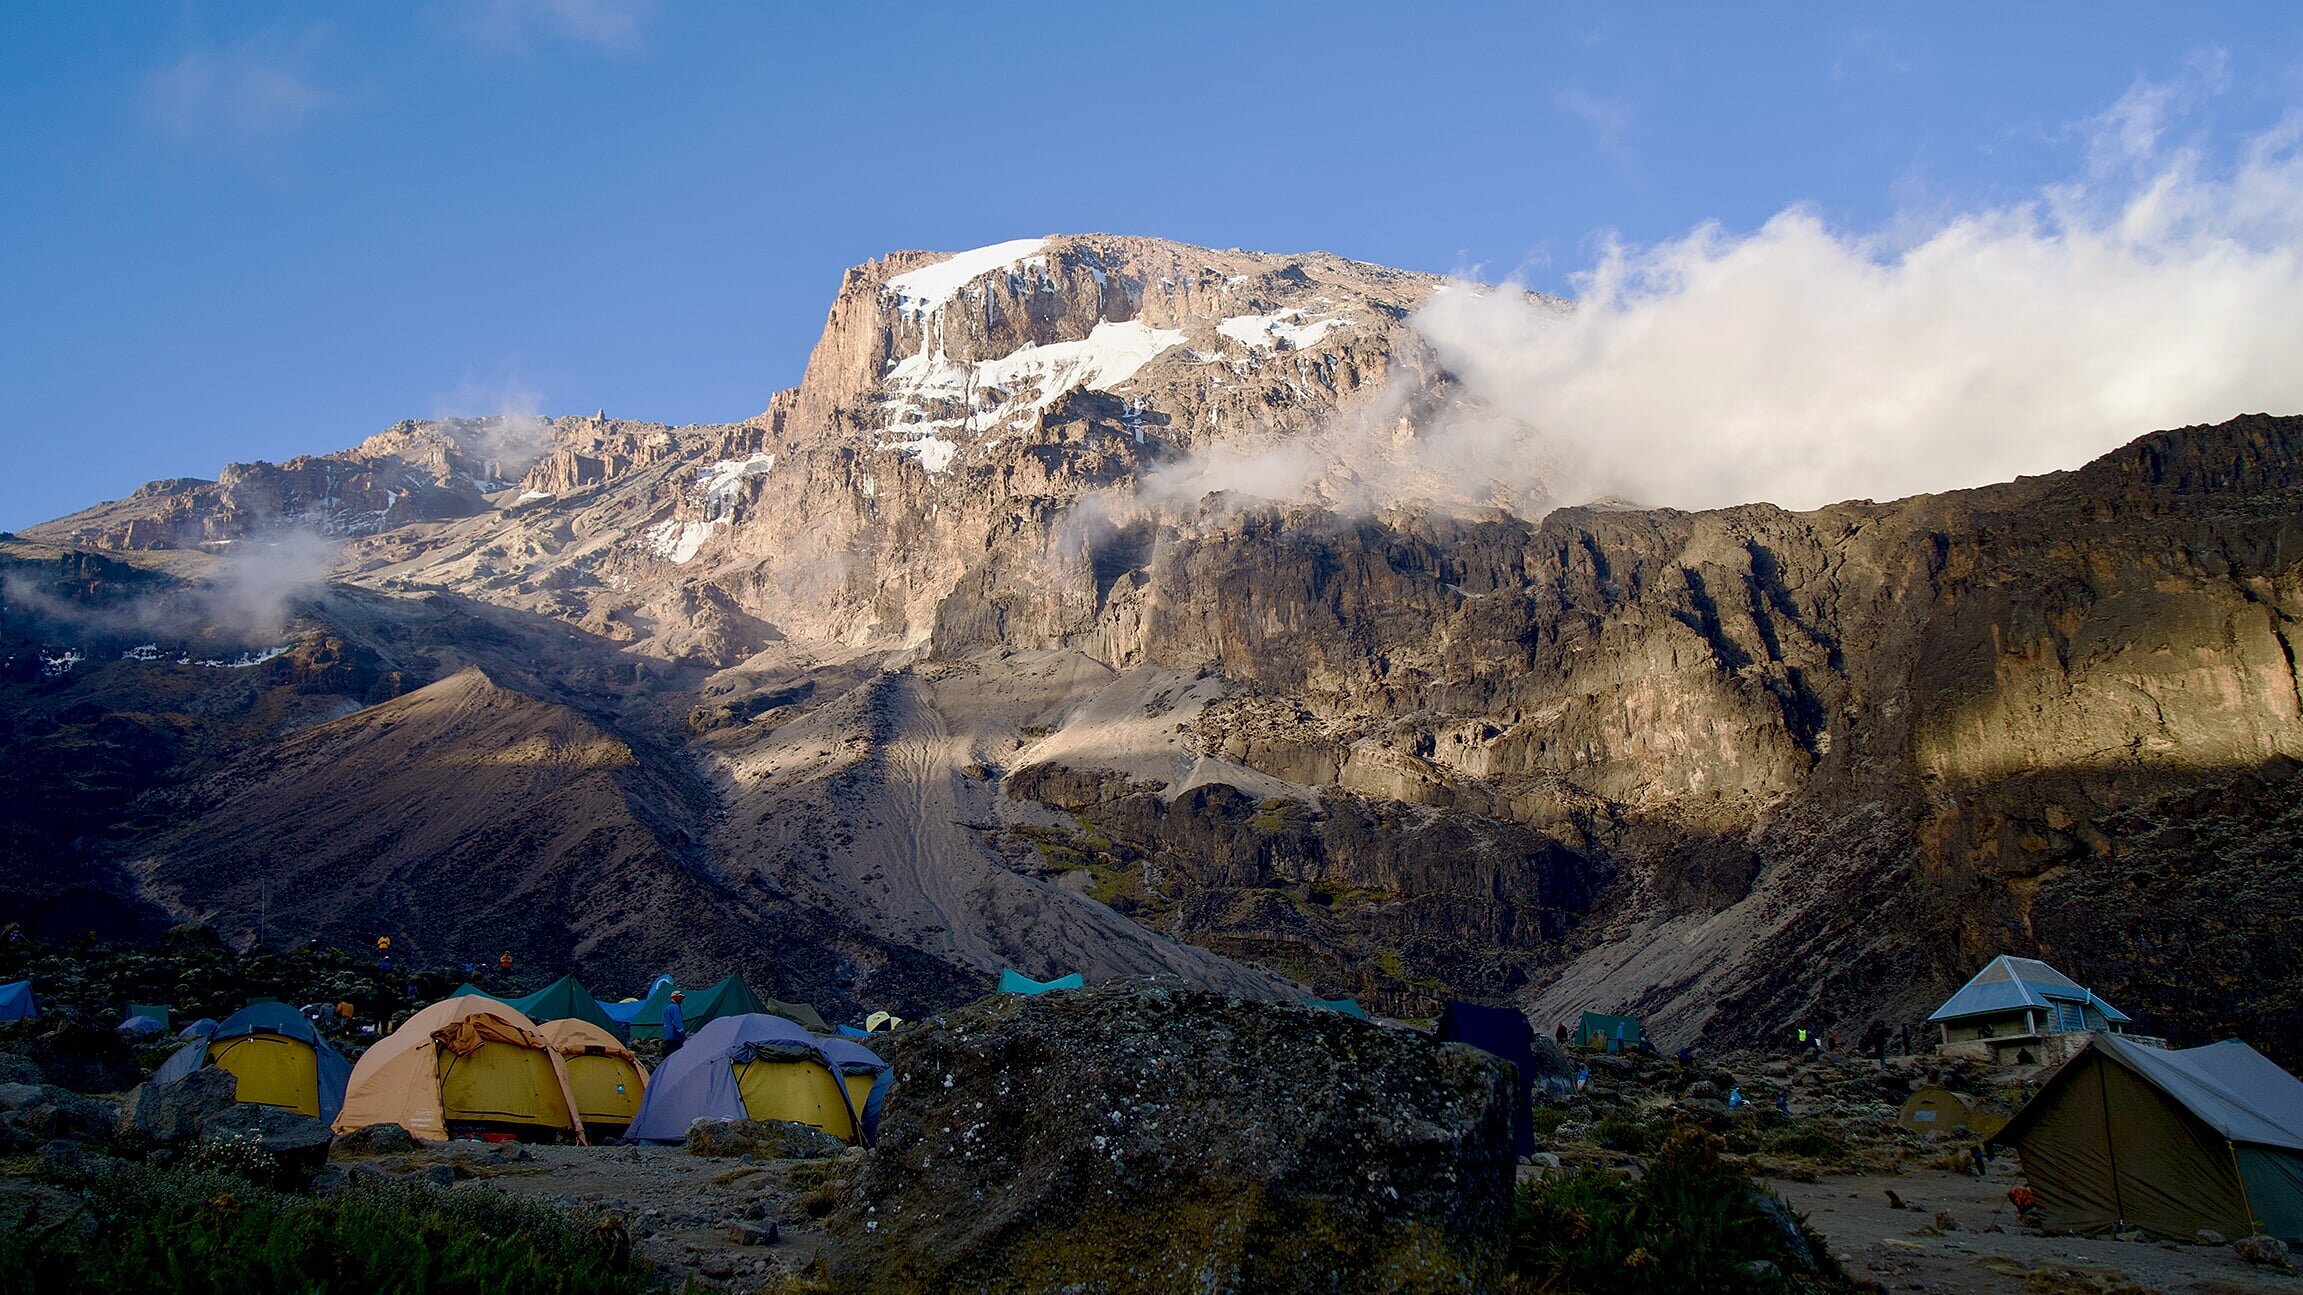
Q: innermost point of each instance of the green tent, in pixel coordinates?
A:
(564, 999)
(731, 997)
(1614, 1033)
(2171, 1141)
(799, 1013)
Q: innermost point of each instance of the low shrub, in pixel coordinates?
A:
(1693, 1223)
(201, 1230)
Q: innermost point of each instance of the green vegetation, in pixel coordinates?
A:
(205, 1231)
(1694, 1222)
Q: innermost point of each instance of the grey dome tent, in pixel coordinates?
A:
(2168, 1141)
(763, 1067)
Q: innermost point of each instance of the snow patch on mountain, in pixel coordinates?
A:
(1267, 331)
(1014, 389)
(923, 292)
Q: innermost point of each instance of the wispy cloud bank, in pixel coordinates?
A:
(506, 425)
(1801, 364)
(603, 24)
(251, 89)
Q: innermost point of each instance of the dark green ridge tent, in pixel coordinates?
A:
(799, 1013)
(559, 1001)
(566, 999)
(731, 997)
(2169, 1141)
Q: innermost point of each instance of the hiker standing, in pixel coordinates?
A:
(1559, 1036)
(1803, 1038)
(675, 1024)
(504, 965)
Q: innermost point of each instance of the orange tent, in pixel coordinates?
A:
(606, 1078)
(470, 1063)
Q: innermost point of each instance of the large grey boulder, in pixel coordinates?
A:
(32, 1115)
(169, 1115)
(298, 1142)
(1146, 1138)
(766, 1139)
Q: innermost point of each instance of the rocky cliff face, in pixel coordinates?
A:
(983, 641)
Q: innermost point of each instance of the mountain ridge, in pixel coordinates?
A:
(950, 645)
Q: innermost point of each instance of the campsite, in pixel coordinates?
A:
(748, 1158)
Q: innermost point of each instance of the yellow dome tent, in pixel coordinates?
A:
(462, 1063)
(606, 1078)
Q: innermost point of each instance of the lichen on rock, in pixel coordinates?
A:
(1146, 1137)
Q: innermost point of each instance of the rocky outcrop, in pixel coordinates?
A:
(1146, 1138)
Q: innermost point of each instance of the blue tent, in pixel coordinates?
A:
(644, 1016)
(712, 1076)
(1506, 1034)
(16, 1001)
(1015, 982)
(279, 1057)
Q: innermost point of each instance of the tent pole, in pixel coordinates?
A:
(2254, 1225)
(2118, 1200)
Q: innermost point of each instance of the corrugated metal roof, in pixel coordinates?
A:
(2008, 983)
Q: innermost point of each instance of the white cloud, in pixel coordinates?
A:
(1801, 364)
(1609, 118)
(508, 427)
(606, 24)
(254, 88)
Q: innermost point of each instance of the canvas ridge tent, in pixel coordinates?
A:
(563, 999)
(607, 1080)
(765, 1068)
(2170, 1141)
(279, 1058)
(467, 1062)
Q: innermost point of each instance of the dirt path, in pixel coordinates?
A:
(724, 1223)
(1903, 1250)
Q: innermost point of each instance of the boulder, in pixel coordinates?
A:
(1139, 1137)
(34, 1114)
(15, 1068)
(167, 1115)
(376, 1140)
(766, 1139)
(2264, 1252)
(84, 1058)
(298, 1142)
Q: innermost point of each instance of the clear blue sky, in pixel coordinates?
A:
(233, 231)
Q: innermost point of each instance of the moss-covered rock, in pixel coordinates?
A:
(1145, 1138)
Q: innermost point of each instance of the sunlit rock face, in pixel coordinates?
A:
(1083, 608)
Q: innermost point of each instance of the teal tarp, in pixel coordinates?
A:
(1614, 1033)
(1015, 982)
(1347, 1006)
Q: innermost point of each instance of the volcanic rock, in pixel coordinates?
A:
(1142, 1137)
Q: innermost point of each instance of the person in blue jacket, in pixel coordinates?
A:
(675, 1024)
